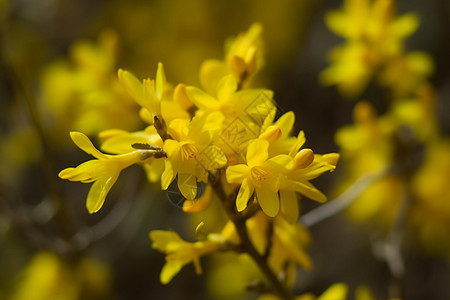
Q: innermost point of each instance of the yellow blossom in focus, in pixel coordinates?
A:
(260, 175)
(103, 171)
(154, 96)
(191, 153)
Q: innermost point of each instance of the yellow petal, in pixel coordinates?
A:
(226, 87)
(165, 241)
(181, 97)
(245, 192)
(133, 86)
(211, 72)
(98, 192)
(337, 22)
(201, 99)
(337, 291)
(257, 152)
(171, 111)
(168, 175)
(405, 25)
(289, 205)
(160, 81)
(187, 183)
(83, 142)
(236, 173)
(169, 270)
(309, 191)
(200, 204)
(285, 123)
(269, 201)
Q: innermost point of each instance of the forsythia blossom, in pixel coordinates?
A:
(227, 137)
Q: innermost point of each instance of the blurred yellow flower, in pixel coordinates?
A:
(83, 93)
(49, 277)
(374, 38)
(179, 252)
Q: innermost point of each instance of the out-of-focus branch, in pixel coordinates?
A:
(335, 206)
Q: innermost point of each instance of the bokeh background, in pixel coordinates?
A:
(54, 52)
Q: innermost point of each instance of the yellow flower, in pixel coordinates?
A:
(103, 171)
(374, 38)
(242, 59)
(117, 141)
(191, 153)
(301, 166)
(259, 175)
(155, 96)
(337, 291)
(47, 276)
(83, 93)
(289, 242)
(179, 252)
(408, 73)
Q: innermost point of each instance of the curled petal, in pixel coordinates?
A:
(83, 142)
(245, 191)
(98, 192)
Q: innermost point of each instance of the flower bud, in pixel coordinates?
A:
(303, 158)
(271, 134)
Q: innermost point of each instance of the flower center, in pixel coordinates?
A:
(188, 151)
(258, 173)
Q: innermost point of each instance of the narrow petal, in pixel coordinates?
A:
(83, 142)
(169, 270)
(257, 152)
(168, 175)
(236, 173)
(171, 110)
(245, 191)
(289, 205)
(201, 99)
(285, 123)
(211, 72)
(269, 201)
(160, 81)
(97, 193)
(406, 25)
(133, 86)
(187, 183)
(200, 204)
(226, 87)
(309, 191)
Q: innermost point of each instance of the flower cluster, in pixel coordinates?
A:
(374, 46)
(406, 139)
(226, 136)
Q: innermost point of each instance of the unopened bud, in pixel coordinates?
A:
(271, 134)
(364, 113)
(303, 158)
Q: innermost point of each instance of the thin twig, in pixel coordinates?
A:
(340, 203)
(393, 246)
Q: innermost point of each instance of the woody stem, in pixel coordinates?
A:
(247, 245)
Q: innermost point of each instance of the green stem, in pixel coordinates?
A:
(247, 245)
